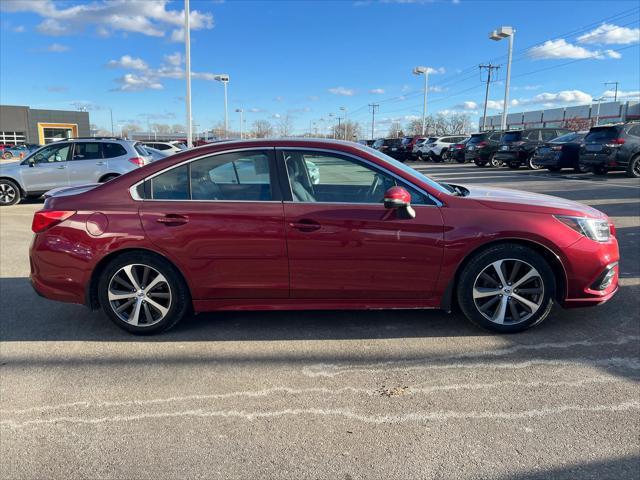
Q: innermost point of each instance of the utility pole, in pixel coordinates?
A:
(111, 113)
(187, 46)
(615, 95)
(373, 117)
(489, 68)
(338, 132)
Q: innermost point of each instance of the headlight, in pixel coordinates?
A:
(593, 228)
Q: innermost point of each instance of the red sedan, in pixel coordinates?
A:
(313, 224)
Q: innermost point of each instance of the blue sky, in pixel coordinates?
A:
(307, 59)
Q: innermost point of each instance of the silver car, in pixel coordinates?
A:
(67, 163)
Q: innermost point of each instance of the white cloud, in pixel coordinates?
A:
(147, 17)
(608, 34)
(177, 35)
(313, 98)
(526, 87)
(131, 82)
(377, 91)
(279, 98)
(345, 92)
(18, 29)
(57, 48)
(622, 95)
(468, 105)
(127, 61)
(174, 59)
(432, 70)
(560, 49)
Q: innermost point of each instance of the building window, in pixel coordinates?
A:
(12, 138)
(55, 134)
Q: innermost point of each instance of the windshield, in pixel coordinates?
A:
(414, 173)
(601, 134)
(511, 137)
(568, 137)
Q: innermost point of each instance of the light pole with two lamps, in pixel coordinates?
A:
(423, 71)
(224, 78)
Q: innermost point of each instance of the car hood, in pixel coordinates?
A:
(517, 200)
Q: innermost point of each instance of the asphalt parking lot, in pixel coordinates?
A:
(340, 395)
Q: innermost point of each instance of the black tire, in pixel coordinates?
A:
(106, 178)
(581, 168)
(554, 169)
(633, 170)
(510, 254)
(514, 165)
(480, 163)
(9, 192)
(444, 155)
(7, 155)
(179, 302)
(494, 162)
(599, 170)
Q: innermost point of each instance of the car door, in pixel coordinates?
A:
(220, 218)
(343, 244)
(87, 164)
(47, 168)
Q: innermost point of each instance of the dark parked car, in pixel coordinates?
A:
(612, 147)
(561, 152)
(456, 151)
(518, 146)
(481, 147)
(407, 146)
(390, 146)
(195, 233)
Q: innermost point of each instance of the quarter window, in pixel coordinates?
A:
(112, 150)
(320, 177)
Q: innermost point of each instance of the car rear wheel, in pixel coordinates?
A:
(633, 170)
(494, 161)
(9, 192)
(599, 170)
(106, 178)
(142, 293)
(7, 155)
(444, 155)
(507, 288)
(532, 164)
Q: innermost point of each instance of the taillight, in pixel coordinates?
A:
(612, 229)
(615, 142)
(44, 219)
(557, 148)
(482, 144)
(137, 161)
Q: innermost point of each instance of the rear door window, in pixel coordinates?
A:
(171, 185)
(87, 151)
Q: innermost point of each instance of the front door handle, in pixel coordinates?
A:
(173, 219)
(60, 167)
(305, 225)
(100, 163)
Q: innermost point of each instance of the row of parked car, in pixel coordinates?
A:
(74, 161)
(601, 149)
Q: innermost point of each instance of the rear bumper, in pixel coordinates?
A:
(608, 160)
(512, 156)
(547, 160)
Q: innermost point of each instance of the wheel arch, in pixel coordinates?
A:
(91, 297)
(16, 181)
(448, 301)
(103, 178)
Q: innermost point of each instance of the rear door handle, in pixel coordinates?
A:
(61, 167)
(100, 163)
(173, 219)
(305, 225)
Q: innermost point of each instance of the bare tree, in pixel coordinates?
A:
(161, 128)
(262, 129)
(458, 123)
(285, 125)
(177, 128)
(353, 130)
(129, 128)
(395, 130)
(218, 130)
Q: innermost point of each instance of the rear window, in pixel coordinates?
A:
(406, 140)
(112, 150)
(475, 139)
(601, 134)
(394, 142)
(512, 137)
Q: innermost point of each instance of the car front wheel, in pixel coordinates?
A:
(9, 192)
(142, 293)
(633, 170)
(532, 164)
(494, 161)
(507, 288)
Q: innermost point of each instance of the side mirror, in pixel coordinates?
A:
(31, 161)
(398, 199)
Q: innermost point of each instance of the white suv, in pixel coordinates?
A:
(168, 147)
(66, 163)
(438, 148)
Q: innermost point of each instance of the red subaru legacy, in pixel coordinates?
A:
(313, 224)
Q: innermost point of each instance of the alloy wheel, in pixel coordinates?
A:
(533, 165)
(495, 162)
(636, 167)
(508, 292)
(139, 295)
(7, 193)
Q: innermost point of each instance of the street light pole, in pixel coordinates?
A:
(344, 109)
(187, 46)
(499, 34)
(423, 71)
(239, 110)
(111, 114)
